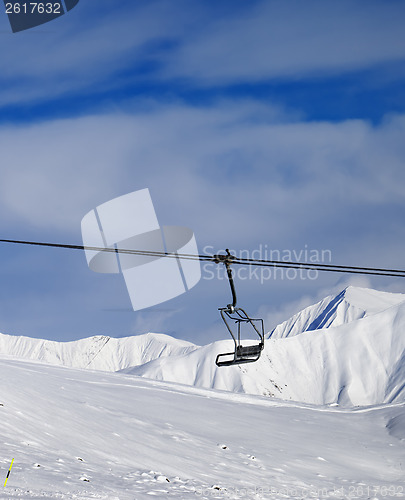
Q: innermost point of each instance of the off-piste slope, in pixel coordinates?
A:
(96, 435)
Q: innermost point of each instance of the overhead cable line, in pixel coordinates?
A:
(324, 267)
(398, 273)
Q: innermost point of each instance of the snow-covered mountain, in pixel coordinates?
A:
(348, 349)
(96, 353)
(351, 304)
(356, 363)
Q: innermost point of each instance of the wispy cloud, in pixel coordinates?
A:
(89, 46)
(197, 44)
(293, 39)
(217, 160)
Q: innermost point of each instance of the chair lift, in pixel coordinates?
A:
(241, 354)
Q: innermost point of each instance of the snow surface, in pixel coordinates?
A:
(351, 304)
(75, 431)
(98, 353)
(82, 434)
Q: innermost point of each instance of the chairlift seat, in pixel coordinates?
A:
(241, 354)
(249, 350)
(232, 314)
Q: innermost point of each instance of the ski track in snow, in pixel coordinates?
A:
(87, 435)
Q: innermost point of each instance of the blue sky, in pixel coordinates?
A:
(273, 125)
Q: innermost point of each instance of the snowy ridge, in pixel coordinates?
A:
(360, 363)
(97, 353)
(348, 349)
(358, 359)
(351, 304)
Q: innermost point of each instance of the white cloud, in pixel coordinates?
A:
(198, 42)
(236, 181)
(88, 49)
(293, 39)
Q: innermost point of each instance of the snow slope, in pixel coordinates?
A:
(348, 349)
(359, 362)
(97, 353)
(80, 434)
(351, 304)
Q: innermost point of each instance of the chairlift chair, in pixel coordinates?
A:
(231, 313)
